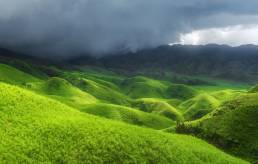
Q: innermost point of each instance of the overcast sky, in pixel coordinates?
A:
(64, 28)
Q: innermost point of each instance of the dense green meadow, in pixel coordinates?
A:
(92, 115)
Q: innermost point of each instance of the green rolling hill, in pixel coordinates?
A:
(198, 106)
(254, 89)
(36, 129)
(233, 126)
(12, 75)
(105, 92)
(181, 91)
(129, 115)
(152, 105)
(63, 91)
(143, 87)
(87, 114)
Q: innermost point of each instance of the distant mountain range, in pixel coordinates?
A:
(218, 61)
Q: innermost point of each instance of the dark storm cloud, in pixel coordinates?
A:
(64, 28)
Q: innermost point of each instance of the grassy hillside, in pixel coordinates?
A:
(198, 106)
(55, 121)
(98, 75)
(254, 89)
(233, 126)
(129, 115)
(152, 105)
(180, 91)
(103, 90)
(12, 75)
(63, 91)
(142, 87)
(226, 95)
(36, 129)
(220, 85)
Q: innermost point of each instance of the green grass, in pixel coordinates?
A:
(100, 76)
(36, 129)
(173, 102)
(143, 87)
(254, 89)
(25, 67)
(221, 85)
(226, 95)
(198, 106)
(63, 91)
(12, 75)
(180, 91)
(103, 90)
(55, 122)
(233, 126)
(129, 115)
(156, 106)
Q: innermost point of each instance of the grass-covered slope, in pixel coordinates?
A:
(143, 87)
(254, 89)
(12, 75)
(156, 106)
(233, 126)
(198, 106)
(101, 76)
(103, 92)
(180, 91)
(226, 95)
(63, 91)
(129, 115)
(35, 129)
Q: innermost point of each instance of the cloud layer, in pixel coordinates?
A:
(64, 28)
(232, 35)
